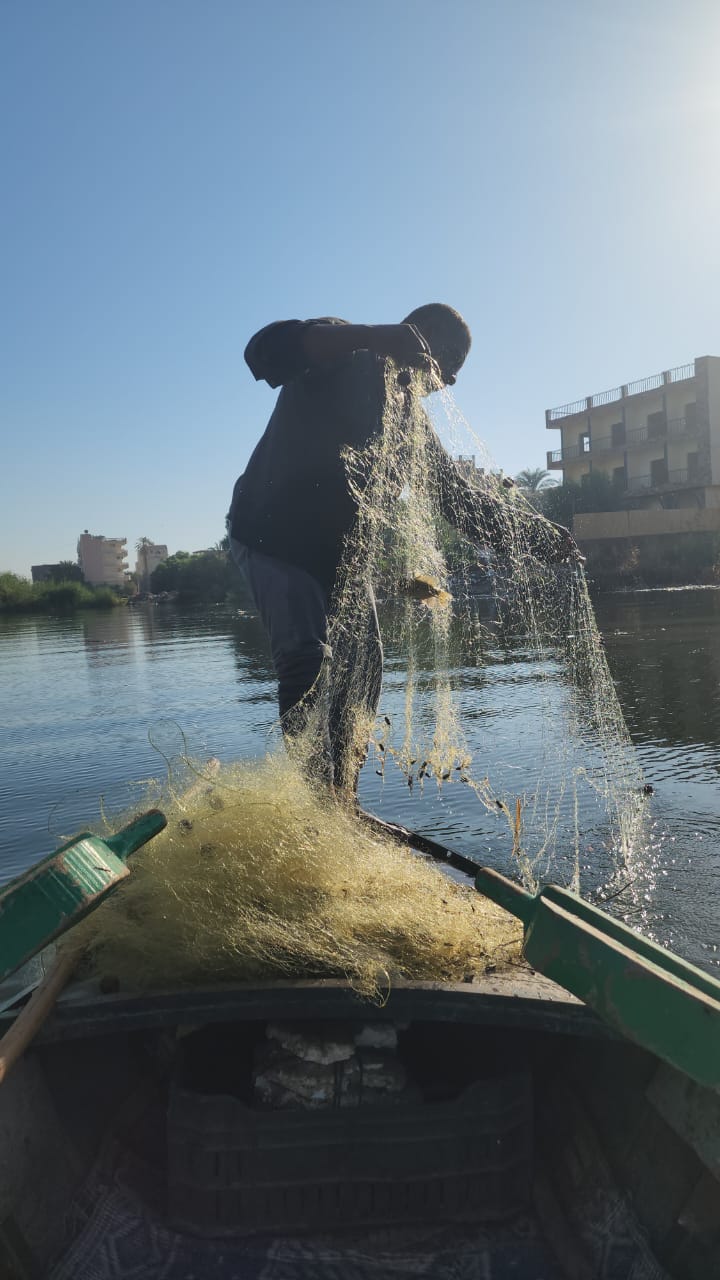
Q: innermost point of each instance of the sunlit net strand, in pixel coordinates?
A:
(400, 533)
(260, 875)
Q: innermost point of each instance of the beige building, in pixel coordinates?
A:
(149, 556)
(103, 560)
(658, 441)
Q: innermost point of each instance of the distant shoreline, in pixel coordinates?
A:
(20, 595)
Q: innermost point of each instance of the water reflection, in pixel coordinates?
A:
(107, 636)
(664, 653)
(71, 739)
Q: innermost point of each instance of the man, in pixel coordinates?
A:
(293, 507)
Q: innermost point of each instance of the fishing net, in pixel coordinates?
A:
(257, 875)
(264, 872)
(558, 790)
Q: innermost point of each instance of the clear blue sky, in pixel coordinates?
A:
(177, 173)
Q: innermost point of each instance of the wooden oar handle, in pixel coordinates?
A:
(423, 844)
(32, 1016)
(512, 897)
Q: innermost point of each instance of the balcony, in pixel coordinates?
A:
(674, 429)
(673, 480)
(682, 427)
(606, 444)
(557, 457)
(682, 373)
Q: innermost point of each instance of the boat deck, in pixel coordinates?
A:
(513, 997)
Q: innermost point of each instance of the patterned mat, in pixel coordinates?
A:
(115, 1237)
(113, 1233)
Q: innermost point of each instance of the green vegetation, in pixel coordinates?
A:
(142, 546)
(20, 595)
(65, 571)
(202, 577)
(535, 479)
(597, 493)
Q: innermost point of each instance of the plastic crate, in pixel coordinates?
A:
(235, 1170)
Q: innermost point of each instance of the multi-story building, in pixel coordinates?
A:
(658, 441)
(149, 556)
(103, 560)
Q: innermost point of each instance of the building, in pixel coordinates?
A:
(149, 556)
(468, 467)
(44, 572)
(103, 560)
(658, 442)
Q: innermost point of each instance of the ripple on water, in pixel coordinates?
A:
(86, 695)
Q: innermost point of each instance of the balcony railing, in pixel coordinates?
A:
(566, 455)
(645, 384)
(674, 428)
(605, 444)
(681, 427)
(567, 410)
(637, 435)
(671, 479)
(680, 374)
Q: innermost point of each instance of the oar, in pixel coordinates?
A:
(424, 844)
(32, 1015)
(53, 895)
(646, 992)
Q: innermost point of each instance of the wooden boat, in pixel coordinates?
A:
(530, 1141)
(493, 1128)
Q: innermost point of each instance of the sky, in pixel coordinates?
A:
(178, 173)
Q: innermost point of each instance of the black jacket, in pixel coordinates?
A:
(293, 500)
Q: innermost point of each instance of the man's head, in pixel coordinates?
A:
(446, 334)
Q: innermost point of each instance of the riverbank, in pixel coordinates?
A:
(20, 595)
(662, 560)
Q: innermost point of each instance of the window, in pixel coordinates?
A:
(656, 425)
(690, 416)
(584, 442)
(658, 472)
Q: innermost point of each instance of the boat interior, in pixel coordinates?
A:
(493, 1129)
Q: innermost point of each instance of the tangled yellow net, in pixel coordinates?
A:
(258, 876)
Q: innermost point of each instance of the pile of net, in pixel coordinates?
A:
(258, 875)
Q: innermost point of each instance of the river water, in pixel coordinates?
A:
(95, 703)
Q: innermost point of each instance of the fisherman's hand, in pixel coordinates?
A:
(404, 344)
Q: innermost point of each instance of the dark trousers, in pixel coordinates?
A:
(294, 610)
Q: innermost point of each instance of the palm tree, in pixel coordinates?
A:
(535, 479)
(142, 547)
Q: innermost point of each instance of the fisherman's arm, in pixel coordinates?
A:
(289, 348)
(485, 515)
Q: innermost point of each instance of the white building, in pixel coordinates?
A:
(149, 556)
(103, 560)
(658, 441)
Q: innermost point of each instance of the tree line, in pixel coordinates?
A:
(57, 595)
(210, 576)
